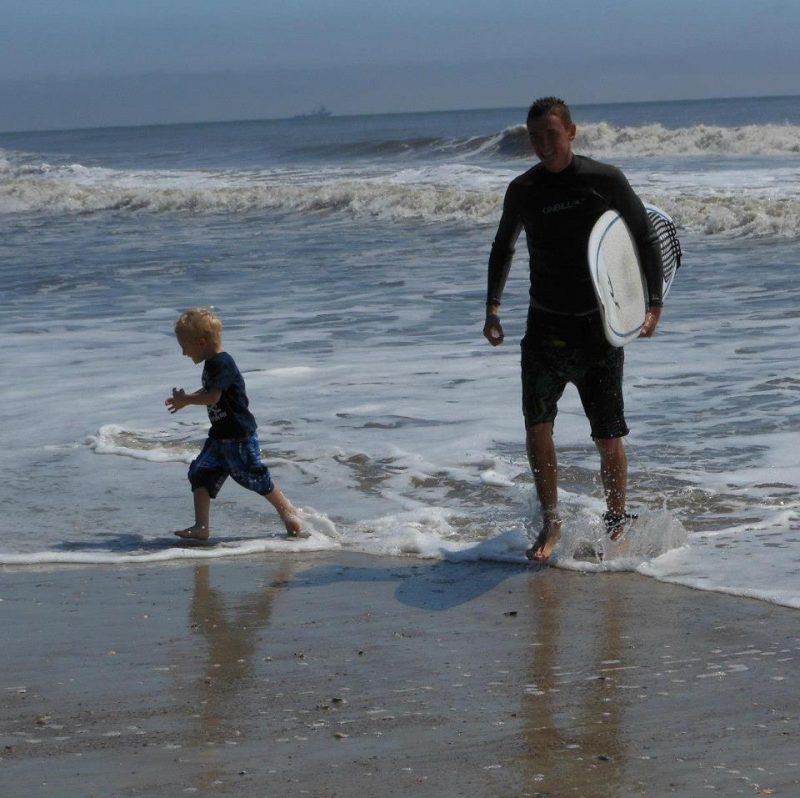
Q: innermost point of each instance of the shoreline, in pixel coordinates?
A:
(338, 674)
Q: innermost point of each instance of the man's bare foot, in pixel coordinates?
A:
(617, 523)
(195, 532)
(546, 542)
(294, 529)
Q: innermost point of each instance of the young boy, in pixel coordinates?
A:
(231, 448)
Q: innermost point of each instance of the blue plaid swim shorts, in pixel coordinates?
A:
(239, 458)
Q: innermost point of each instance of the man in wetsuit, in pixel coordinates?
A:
(557, 202)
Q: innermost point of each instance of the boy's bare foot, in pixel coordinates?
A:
(195, 532)
(546, 542)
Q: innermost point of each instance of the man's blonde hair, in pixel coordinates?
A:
(199, 323)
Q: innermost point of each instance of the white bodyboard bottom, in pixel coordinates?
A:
(617, 278)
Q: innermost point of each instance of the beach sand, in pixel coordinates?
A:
(345, 675)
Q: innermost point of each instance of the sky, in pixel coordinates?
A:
(82, 63)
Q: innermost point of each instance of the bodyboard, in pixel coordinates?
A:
(616, 271)
(668, 241)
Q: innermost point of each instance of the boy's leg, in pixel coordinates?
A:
(206, 475)
(285, 510)
(248, 470)
(202, 513)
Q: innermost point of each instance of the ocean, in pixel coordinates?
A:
(347, 259)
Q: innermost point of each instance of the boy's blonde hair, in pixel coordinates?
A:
(199, 323)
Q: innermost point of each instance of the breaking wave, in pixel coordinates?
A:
(593, 138)
(360, 198)
(698, 140)
(597, 138)
(467, 186)
(737, 215)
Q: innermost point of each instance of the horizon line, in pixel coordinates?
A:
(334, 115)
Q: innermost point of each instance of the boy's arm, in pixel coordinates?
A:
(181, 399)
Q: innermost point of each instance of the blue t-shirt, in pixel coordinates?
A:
(229, 417)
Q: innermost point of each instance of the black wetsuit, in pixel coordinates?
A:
(558, 211)
(564, 341)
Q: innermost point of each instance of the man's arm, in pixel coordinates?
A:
(651, 319)
(500, 264)
(492, 329)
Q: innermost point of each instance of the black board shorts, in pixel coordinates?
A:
(557, 350)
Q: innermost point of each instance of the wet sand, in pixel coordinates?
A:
(345, 675)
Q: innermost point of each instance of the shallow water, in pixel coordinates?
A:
(348, 263)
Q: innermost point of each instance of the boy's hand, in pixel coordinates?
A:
(177, 401)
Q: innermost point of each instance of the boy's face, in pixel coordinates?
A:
(195, 348)
(552, 142)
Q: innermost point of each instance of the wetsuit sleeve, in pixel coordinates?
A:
(503, 247)
(632, 210)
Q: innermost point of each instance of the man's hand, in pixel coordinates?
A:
(650, 321)
(177, 401)
(493, 330)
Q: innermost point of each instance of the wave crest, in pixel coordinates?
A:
(603, 138)
(732, 215)
(697, 140)
(444, 193)
(360, 198)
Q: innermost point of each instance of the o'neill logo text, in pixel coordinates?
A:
(562, 206)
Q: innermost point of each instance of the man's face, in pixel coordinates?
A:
(552, 142)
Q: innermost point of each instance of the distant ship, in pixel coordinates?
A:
(318, 113)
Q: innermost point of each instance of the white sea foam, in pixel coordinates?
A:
(613, 141)
(758, 207)
(657, 140)
(154, 446)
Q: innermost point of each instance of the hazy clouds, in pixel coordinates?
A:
(87, 62)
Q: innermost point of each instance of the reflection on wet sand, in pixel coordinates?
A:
(573, 705)
(232, 627)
